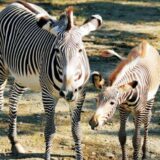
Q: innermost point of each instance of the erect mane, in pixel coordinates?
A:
(139, 51)
(118, 69)
(28, 6)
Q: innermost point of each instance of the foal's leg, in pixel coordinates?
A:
(147, 119)
(122, 132)
(137, 136)
(145, 141)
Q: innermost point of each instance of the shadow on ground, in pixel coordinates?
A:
(33, 155)
(32, 123)
(129, 13)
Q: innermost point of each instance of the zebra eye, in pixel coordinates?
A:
(80, 88)
(77, 89)
(112, 103)
(80, 50)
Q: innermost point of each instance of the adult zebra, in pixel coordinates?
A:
(133, 85)
(47, 55)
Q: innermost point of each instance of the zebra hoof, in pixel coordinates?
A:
(17, 149)
(47, 156)
(146, 156)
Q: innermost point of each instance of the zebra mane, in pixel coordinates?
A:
(118, 69)
(139, 51)
(125, 68)
(28, 6)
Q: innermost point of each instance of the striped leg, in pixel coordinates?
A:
(147, 120)
(2, 86)
(49, 107)
(145, 141)
(76, 128)
(122, 132)
(3, 80)
(137, 137)
(16, 92)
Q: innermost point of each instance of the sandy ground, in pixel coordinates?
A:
(126, 23)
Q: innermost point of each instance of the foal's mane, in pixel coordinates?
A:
(139, 51)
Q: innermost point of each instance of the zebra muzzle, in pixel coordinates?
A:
(93, 123)
(68, 95)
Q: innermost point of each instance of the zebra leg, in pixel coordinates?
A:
(145, 141)
(76, 127)
(122, 132)
(2, 86)
(137, 137)
(3, 80)
(15, 93)
(49, 107)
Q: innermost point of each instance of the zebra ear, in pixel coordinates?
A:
(129, 86)
(51, 24)
(69, 13)
(42, 21)
(91, 24)
(97, 80)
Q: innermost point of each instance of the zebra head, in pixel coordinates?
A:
(108, 100)
(70, 51)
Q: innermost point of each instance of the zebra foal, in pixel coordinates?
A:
(40, 53)
(132, 88)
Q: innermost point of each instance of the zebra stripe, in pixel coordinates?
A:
(133, 101)
(130, 92)
(39, 53)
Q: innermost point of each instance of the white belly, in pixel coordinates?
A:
(29, 81)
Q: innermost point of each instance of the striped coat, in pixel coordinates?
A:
(133, 86)
(40, 53)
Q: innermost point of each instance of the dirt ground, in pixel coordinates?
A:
(125, 24)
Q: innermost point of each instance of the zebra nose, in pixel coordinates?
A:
(68, 95)
(62, 93)
(93, 123)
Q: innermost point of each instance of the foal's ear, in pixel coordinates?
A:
(97, 80)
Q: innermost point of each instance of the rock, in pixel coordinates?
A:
(92, 37)
(93, 153)
(41, 134)
(110, 155)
